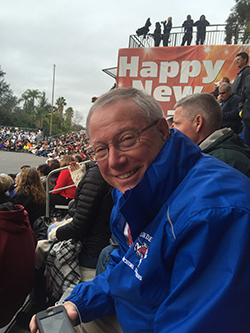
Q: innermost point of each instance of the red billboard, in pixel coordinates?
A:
(170, 73)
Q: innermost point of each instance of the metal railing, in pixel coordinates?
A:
(83, 131)
(215, 35)
(59, 189)
(14, 128)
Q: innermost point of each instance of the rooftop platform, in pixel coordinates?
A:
(215, 35)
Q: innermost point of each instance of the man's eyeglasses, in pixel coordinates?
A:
(222, 93)
(123, 141)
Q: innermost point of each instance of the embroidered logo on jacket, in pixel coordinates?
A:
(141, 250)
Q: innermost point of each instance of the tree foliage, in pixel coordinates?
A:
(69, 113)
(78, 118)
(34, 112)
(238, 23)
(8, 102)
(30, 97)
(4, 87)
(61, 102)
(5, 92)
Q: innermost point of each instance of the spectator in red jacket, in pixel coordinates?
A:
(62, 197)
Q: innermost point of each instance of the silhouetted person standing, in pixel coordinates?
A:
(157, 34)
(201, 29)
(188, 31)
(166, 31)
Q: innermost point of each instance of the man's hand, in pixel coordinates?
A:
(72, 313)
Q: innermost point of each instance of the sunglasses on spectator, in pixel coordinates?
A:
(222, 93)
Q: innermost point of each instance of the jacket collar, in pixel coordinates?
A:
(213, 137)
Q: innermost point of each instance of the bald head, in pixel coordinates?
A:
(146, 105)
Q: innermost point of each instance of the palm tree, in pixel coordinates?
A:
(5, 91)
(61, 102)
(69, 112)
(29, 96)
(43, 109)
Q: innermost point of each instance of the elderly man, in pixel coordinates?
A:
(182, 222)
(199, 117)
(230, 104)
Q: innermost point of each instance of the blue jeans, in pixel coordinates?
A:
(104, 257)
(52, 226)
(246, 132)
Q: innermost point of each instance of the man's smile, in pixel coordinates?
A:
(127, 175)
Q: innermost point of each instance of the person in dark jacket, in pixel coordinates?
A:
(90, 212)
(246, 111)
(157, 34)
(229, 103)
(199, 117)
(238, 85)
(201, 25)
(166, 30)
(241, 87)
(188, 31)
(228, 147)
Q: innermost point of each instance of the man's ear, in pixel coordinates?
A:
(198, 121)
(163, 129)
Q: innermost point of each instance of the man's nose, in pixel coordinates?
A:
(116, 157)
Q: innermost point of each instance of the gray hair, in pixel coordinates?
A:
(205, 105)
(226, 85)
(147, 105)
(5, 183)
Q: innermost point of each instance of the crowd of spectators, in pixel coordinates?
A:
(16, 140)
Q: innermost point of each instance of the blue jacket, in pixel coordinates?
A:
(189, 267)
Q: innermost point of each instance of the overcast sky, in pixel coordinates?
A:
(81, 37)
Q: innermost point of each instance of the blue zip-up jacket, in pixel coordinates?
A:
(188, 270)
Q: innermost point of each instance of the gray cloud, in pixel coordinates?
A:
(81, 37)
